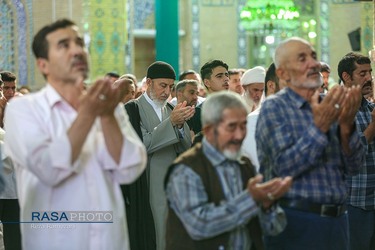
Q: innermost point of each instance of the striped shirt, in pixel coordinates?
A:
(188, 198)
(362, 186)
(289, 144)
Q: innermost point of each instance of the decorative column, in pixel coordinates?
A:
(367, 25)
(167, 25)
(105, 33)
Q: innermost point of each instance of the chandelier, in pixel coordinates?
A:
(272, 17)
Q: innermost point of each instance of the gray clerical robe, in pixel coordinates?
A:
(163, 143)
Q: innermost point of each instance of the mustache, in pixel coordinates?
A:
(367, 84)
(79, 59)
(235, 142)
(313, 72)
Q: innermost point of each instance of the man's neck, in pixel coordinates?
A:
(69, 91)
(305, 93)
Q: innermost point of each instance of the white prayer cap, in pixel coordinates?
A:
(254, 75)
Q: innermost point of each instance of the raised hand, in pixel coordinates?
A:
(266, 193)
(329, 109)
(101, 98)
(350, 108)
(181, 113)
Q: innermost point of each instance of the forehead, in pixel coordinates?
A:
(218, 70)
(296, 49)
(189, 87)
(6, 83)
(255, 86)
(362, 67)
(192, 76)
(163, 80)
(70, 32)
(233, 115)
(234, 76)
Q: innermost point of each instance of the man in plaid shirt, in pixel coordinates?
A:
(313, 140)
(355, 69)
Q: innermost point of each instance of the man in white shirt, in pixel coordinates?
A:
(71, 149)
(9, 207)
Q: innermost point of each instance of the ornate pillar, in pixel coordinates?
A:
(106, 36)
(167, 26)
(367, 24)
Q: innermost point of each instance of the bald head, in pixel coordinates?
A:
(282, 50)
(296, 62)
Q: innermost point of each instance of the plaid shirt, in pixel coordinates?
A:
(362, 186)
(289, 144)
(188, 198)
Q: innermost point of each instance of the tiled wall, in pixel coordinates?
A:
(211, 31)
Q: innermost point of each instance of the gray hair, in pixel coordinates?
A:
(180, 86)
(216, 103)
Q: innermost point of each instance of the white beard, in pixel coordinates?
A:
(252, 105)
(234, 156)
(160, 104)
(157, 102)
(310, 83)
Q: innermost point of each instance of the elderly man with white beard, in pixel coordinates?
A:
(165, 133)
(214, 194)
(253, 83)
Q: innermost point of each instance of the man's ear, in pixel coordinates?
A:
(207, 130)
(178, 94)
(271, 86)
(346, 77)
(282, 74)
(148, 82)
(206, 83)
(42, 64)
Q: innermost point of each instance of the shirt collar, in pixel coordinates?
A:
(295, 98)
(214, 156)
(365, 103)
(52, 96)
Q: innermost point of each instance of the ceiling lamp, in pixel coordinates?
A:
(262, 17)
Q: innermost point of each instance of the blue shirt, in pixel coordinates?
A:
(289, 144)
(362, 186)
(188, 198)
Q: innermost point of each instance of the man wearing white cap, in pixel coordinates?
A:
(272, 85)
(253, 83)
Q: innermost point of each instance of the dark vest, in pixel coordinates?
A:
(176, 235)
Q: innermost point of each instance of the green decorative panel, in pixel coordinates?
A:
(367, 23)
(106, 35)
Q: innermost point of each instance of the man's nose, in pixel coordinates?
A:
(368, 76)
(168, 90)
(240, 132)
(77, 49)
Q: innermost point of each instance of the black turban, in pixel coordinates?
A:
(161, 69)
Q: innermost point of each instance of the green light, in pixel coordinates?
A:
(271, 15)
